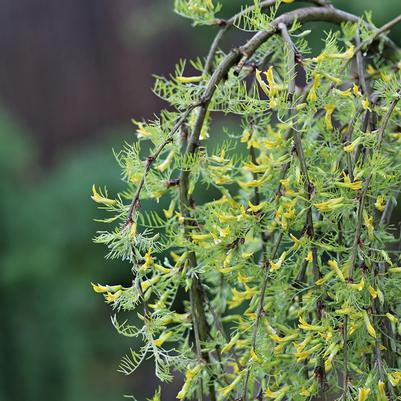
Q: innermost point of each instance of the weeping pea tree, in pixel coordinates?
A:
(285, 284)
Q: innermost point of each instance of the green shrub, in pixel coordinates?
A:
(283, 285)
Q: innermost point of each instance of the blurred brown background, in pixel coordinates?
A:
(72, 75)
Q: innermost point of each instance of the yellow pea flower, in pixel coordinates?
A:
(327, 118)
(394, 378)
(256, 208)
(230, 344)
(166, 163)
(355, 90)
(368, 223)
(309, 257)
(380, 204)
(368, 325)
(163, 338)
(101, 289)
(148, 283)
(392, 317)
(261, 83)
(366, 104)
(278, 264)
(170, 211)
(351, 147)
(355, 185)
(363, 394)
(142, 132)
(246, 135)
(308, 327)
(252, 183)
(99, 198)
(331, 204)
(381, 391)
(228, 389)
(372, 292)
(333, 264)
(273, 87)
(312, 95)
(277, 395)
(370, 69)
(111, 297)
(359, 286)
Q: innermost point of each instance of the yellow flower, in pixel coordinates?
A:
(101, 289)
(142, 132)
(148, 259)
(366, 104)
(254, 356)
(368, 223)
(308, 327)
(312, 96)
(327, 118)
(227, 390)
(372, 292)
(394, 378)
(184, 390)
(163, 166)
(359, 286)
(331, 204)
(99, 198)
(355, 185)
(351, 147)
(170, 211)
(288, 1)
(245, 136)
(262, 84)
(382, 393)
(253, 183)
(309, 257)
(111, 297)
(368, 325)
(273, 88)
(231, 344)
(163, 338)
(297, 242)
(333, 264)
(356, 90)
(186, 80)
(256, 208)
(380, 204)
(277, 395)
(148, 283)
(348, 54)
(392, 317)
(370, 69)
(363, 394)
(277, 265)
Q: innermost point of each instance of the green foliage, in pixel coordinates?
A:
(286, 284)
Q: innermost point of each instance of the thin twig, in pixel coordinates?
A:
(386, 27)
(151, 159)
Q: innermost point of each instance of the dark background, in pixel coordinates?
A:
(72, 75)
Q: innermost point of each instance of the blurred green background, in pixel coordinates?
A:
(72, 76)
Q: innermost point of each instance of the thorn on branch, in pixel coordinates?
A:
(172, 183)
